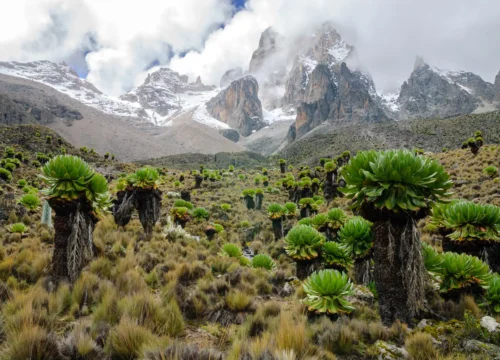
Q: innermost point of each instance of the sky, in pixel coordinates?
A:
(114, 42)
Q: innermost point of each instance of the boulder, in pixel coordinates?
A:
(386, 351)
(230, 134)
(490, 324)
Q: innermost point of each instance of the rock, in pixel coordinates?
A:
(422, 324)
(496, 87)
(430, 92)
(361, 296)
(478, 347)
(269, 44)
(287, 289)
(173, 195)
(230, 134)
(230, 75)
(160, 90)
(490, 324)
(459, 183)
(239, 106)
(386, 351)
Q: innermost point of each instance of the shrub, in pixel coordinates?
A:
(183, 203)
(491, 171)
(432, 260)
(22, 183)
(126, 340)
(225, 207)
(326, 292)
(10, 167)
(232, 250)
(5, 174)
(30, 202)
(263, 261)
(305, 221)
(395, 179)
(493, 294)
(218, 228)
(275, 211)
(291, 209)
(303, 242)
(70, 177)
(145, 178)
(238, 301)
(335, 254)
(336, 218)
(17, 228)
(319, 221)
(356, 235)
(200, 213)
(468, 221)
(420, 346)
(459, 271)
(330, 166)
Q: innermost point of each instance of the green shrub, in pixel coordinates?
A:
(22, 183)
(5, 174)
(356, 235)
(225, 207)
(460, 270)
(218, 228)
(327, 292)
(263, 261)
(303, 242)
(468, 221)
(145, 178)
(18, 228)
(275, 211)
(493, 294)
(291, 209)
(232, 250)
(330, 166)
(183, 203)
(335, 254)
(432, 260)
(395, 179)
(319, 221)
(200, 213)
(491, 171)
(10, 167)
(30, 202)
(70, 177)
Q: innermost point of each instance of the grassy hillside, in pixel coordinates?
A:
(177, 296)
(430, 135)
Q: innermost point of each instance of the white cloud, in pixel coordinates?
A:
(127, 36)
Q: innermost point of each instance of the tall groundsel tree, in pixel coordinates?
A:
(79, 197)
(394, 189)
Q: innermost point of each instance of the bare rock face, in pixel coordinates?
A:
(160, 91)
(230, 134)
(319, 96)
(239, 106)
(496, 88)
(230, 75)
(269, 44)
(354, 102)
(430, 92)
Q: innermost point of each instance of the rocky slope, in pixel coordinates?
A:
(106, 133)
(239, 106)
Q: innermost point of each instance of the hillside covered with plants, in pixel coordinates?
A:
(371, 255)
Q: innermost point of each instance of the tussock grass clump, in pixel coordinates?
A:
(420, 346)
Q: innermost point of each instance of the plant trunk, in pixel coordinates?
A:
(148, 202)
(306, 268)
(277, 228)
(315, 188)
(123, 207)
(186, 195)
(493, 253)
(258, 203)
(399, 269)
(250, 203)
(305, 212)
(306, 193)
(363, 271)
(282, 168)
(73, 242)
(197, 181)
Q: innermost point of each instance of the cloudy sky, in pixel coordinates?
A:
(114, 42)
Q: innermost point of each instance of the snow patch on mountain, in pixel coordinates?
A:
(64, 79)
(278, 114)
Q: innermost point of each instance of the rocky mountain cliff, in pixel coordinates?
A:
(432, 92)
(239, 106)
(161, 91)
(496, 88)
(230, 75)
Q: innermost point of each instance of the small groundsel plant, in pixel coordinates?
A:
(303, 242)
(200, 213)
(336, 255)
(232, 250)
(491, 171)
(263, 261)
(336, 218)
(183, 203)
(356, 235)
(327, 292)
(17, 228)
(145, 178)
(492, 294)
(275, 211)
(468, 221)
(30, 202)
